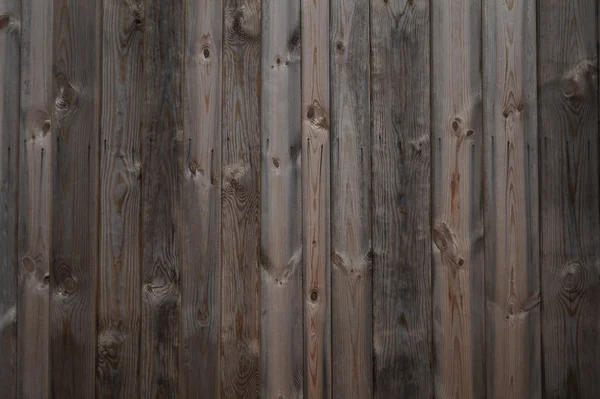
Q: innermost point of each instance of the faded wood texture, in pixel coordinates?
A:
(457, 194)
(512, 285)
(401, 206)
(569, 197)
(201, 201)
(281, 352)
(10, 37)
(240, 202)
(120, 198)
(35, 198)
(76, 79)
(316, 198)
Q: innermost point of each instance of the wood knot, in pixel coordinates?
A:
(243, 23)
(275, 161)
(203, 315)
(206, 53)
(66, 282)
(109, 345)
(573, 278)
(445, 240)
(317, 116)
(7, 22)
(339, 47)
(66, 100)
(314, 295)
(579, 82)
(457, 126)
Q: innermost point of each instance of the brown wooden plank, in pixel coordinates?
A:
(201, 202)
(351, 282)
(35, 199)
(569, 197)
(74, 254)
(458, 253)
(401, 199)
(316, 198)
(281, 213)
(119, 282)
(10, 38)
(513, 340)
(240, 202)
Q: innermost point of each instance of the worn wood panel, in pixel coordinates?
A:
(401, 198)
(512, 285)
(35, 199)
(351, 282)
(316, 198)
(240, 228)
(569, 193)
(10, 37)
(201, 202)
(162, 175)
(458, 253)
(281, 359)
(119, 283)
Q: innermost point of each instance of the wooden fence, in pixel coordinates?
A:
(299, 198)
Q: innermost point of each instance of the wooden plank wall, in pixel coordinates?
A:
(299, 199)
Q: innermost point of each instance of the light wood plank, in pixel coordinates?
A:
(316, 198)
(281, 212)
(119, 280)
(513, 340)
(569, 197)
(240, 228)
(74, 255)
(351, 282)
(458, 253)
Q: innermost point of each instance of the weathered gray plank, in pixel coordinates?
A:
(35, 199)
(74, 254)
(458, 253)
(119, 282)
(513, 340)
(10, 37)
(281, 361)
(401, 199)
(351, 283)
(569, 197)
(240, 228)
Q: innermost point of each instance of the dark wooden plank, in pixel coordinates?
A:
(240, 202)
(457, 164)
(10, 37)
(351, 282)
(201, 202)
(281, 359)
(74, 255)
(512, 280)
(569, 197)
(401, 199)
(119, 283)
(35, 199)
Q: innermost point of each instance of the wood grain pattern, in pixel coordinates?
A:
(10, 37)
(240, 228)
(74, 255)
(281, 212)
(351, 282)
(119, 283)
(458, 253)
(401, 198)
(201, 202)
(35, 198)
(569, 197)
(316, 198)
(162, 174)
(513, 357)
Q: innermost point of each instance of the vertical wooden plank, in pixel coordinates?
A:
(35, 199)
(569, 197)
(316, 198)
(119, 281)
(281, 213)
(162, 169)
(513, 357)
(351, 283)
(401, 198)
(76, 123)
(10, 38)
(240, 226)
(458, 253)
(201, 201)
